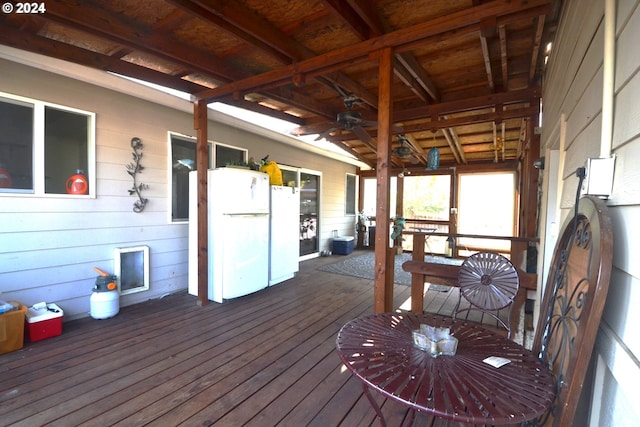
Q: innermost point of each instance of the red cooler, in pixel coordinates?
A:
(43, 321)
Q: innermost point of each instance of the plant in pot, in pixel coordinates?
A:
(396, 233)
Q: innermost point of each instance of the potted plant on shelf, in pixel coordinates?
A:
(237, 165)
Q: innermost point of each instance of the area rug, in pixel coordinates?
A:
(363, 266)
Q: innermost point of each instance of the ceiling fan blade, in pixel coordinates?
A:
(311, 129)
(326, 133)
(368, 123)
(363, 136)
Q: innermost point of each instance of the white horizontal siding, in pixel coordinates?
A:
(573, 87)
(569, 47)
(49, 244)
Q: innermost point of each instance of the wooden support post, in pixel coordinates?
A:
(531, 177)
(361, 233)
(417, 280)
(202, 163)
(383, 287)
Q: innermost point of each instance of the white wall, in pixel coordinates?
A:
(49, 245)
(573, 88)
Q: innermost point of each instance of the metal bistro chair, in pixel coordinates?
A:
(572, 305)
(489, 283)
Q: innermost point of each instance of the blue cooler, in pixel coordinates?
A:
(343, 245)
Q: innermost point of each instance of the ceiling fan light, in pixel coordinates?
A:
(433, 159)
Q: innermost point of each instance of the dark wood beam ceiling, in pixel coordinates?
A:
(457, 65)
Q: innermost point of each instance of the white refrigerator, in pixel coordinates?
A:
(284, 241)
(238, 221)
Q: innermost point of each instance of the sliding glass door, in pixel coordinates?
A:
(309, 213)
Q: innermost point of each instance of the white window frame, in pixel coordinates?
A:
(212, 160)
(39, 147)
(347, 195)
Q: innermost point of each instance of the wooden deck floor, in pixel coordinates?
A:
(266, 359)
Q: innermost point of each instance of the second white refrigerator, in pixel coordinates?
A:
(284, 242)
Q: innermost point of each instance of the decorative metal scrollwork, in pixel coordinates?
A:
(568, 302)
(133, 169)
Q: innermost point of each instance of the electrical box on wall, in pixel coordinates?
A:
(599, 179)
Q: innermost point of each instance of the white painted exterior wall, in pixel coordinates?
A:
(50, 244)
(572, 122)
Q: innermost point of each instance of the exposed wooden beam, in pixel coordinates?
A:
(366, 10)
(441, 123)
(464, 21)
(291, 97)
(487, 30)
(258, 108)
(349, 16)
(243, 24)
(453, 141)
(10, 36)
(117, 29)
(407, 68)
(351, 86)
(407, 78)
(468, 104)
(419, 74)
(504, 56)
(258, 32)
(536, 47)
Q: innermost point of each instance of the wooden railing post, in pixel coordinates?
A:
(417, 280)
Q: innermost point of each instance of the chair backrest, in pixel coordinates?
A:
(489, 282)
(572, 305)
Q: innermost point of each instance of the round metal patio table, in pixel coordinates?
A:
(378, 349)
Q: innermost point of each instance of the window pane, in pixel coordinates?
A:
(183, 160)
(66, 148)
(370, 196)
(289, 176)
(226, 155)
(16, 145)
(350, 198)
(486, 207)
(426, 197)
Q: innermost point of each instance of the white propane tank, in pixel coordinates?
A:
(104, 304)
(105, 299)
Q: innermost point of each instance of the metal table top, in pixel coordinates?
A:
(378, 349)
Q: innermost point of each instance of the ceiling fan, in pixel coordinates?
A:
(406, 150)
(349, 120)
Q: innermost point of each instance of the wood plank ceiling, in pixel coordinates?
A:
(466, 72)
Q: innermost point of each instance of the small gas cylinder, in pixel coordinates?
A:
(104, 304)
(105, 300)
(77, 184)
